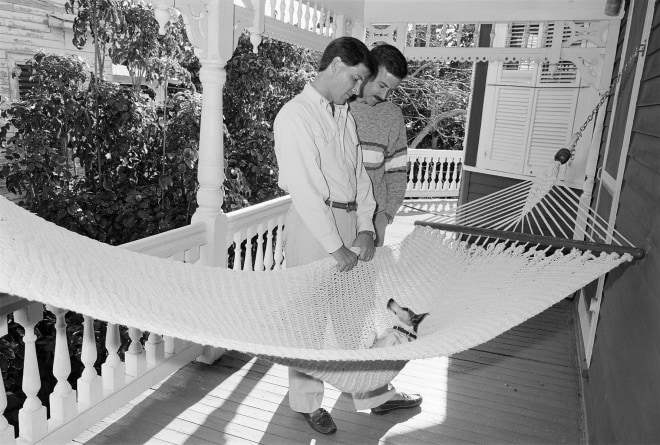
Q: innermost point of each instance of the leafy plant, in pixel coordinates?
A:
(258, 85)
(107, 172)
(434, 100)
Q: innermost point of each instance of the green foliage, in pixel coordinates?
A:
(257, 87)
(101, 164)
(98, 18)
(127, 32)
(434, 100)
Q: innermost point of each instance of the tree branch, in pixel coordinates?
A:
(431, 125)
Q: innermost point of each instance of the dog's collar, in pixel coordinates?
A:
(408, 333)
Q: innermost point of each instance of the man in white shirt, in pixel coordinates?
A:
(320, 165)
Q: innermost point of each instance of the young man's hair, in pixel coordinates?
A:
(351, 51)
(391, 59)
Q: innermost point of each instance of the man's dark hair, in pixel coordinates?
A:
(351, 51)
(392, 59)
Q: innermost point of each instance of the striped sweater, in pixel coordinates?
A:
(382, 135)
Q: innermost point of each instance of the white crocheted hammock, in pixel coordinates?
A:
(311, 317)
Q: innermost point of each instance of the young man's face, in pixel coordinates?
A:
(347, 80)
(376, 89)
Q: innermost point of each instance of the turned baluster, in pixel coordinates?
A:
(247, 264)
(292, 16)
(308, 17)
(259, 259)
(333, 26)
(279, 249)
(299, 15)
(282, 11)
(268, 256)
(90, 385)
(238, 240)
(422, 174)
(6, 430)
(136, 361)
(451, 173)
(433, 185)
(113, 370)
(32, 417)
(63, 399)
(316, 18)
(322, 22)
(173, 345)
(155, 349)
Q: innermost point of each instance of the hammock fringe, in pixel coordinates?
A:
(540, 240)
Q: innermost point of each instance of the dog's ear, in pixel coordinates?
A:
(417, 319)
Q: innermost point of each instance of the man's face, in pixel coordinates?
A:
(347, 80)
(378, 88)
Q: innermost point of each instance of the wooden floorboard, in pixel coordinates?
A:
(521, 387)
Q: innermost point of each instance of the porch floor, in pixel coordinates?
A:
(521, 387)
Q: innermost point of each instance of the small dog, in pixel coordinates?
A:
(404, 331)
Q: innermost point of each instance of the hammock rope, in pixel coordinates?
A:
(313, 317)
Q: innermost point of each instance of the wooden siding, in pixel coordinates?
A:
(475, 185)
(521, 387)
(27, 26)
(622, 389)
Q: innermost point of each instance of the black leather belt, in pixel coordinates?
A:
(348, 206)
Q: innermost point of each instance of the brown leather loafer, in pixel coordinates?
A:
(321, 421)
(407, 401)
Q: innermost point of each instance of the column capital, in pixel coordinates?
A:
(209, 24)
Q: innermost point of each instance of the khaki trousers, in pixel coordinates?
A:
(300, 247)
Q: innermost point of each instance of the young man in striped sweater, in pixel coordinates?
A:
(382, 135)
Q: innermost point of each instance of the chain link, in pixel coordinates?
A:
(604, 96)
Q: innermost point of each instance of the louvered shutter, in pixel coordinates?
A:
(553, 117)
(551, 127)
(533, 112)
(509, 130)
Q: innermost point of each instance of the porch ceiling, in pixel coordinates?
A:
(456, 11)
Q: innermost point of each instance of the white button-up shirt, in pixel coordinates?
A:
(319, 158)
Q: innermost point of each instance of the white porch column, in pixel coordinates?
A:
(210, 27)
(211, 146)
(6, 430)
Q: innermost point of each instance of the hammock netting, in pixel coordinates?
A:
(313, 317)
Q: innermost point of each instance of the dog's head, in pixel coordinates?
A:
(406, 315)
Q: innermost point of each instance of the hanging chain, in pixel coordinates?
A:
(604, 96)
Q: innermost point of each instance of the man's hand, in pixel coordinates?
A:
(346, 260)
(365, 241)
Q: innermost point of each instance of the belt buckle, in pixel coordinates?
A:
(351, 206)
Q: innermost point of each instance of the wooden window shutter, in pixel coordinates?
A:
(509, 130)
(550, 128)
(533, 113)
(553, 116)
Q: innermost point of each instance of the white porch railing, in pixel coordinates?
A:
(253, 242)
(434, 173)
(262, 225)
